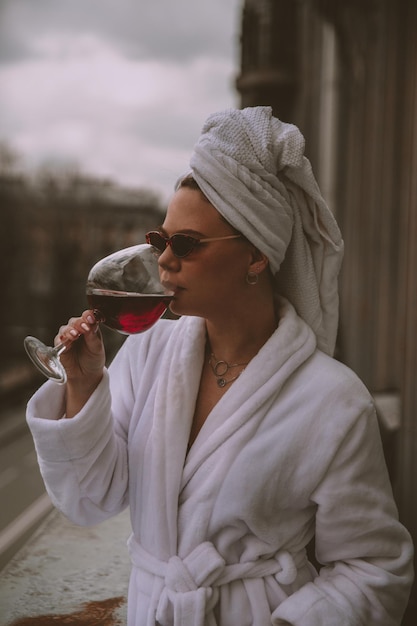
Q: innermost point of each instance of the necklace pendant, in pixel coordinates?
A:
(221, 382)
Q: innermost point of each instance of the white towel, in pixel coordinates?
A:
(252, 168)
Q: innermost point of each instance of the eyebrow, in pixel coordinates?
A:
(183, 231)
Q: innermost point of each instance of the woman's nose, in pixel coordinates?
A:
(167, 259)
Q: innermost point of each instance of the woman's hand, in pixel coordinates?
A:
(83, 359)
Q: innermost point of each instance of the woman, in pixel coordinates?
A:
(232, 433)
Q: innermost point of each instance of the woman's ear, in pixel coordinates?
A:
(259, 261)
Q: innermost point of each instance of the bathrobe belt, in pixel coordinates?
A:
(190, 585)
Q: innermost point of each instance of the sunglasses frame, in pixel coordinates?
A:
(194, 241)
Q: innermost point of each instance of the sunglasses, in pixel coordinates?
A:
(181, 244)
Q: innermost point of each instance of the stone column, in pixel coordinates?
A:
(269, 56)
(406, 474)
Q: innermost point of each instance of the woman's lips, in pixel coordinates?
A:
(171, 286)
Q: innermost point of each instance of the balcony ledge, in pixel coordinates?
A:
(63, 575)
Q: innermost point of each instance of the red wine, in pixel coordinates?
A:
(126, 312)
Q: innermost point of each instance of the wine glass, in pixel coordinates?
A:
(125, 293)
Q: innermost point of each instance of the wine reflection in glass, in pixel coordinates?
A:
(125, 293)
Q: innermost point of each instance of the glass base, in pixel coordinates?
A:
(46, 359)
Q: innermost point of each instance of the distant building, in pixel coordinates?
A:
(52, 230)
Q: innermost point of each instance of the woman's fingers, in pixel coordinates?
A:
(84, 356)
(76, 327)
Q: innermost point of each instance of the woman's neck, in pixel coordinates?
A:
(238, 338)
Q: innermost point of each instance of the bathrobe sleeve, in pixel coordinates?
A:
(84, 460)
(366, 552)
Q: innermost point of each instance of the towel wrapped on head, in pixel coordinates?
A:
(252, 168)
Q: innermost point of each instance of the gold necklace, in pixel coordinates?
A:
(220, 367)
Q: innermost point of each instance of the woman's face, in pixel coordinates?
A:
(210, 281)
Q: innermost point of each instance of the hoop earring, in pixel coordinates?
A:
(252, 278)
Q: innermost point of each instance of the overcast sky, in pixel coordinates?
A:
(119, 88)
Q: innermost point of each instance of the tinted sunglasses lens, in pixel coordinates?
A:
(182, 245)
(156, 240)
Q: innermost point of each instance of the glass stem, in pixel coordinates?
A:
(59, 349)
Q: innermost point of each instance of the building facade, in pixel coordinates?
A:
(345, 71)
(52, 231)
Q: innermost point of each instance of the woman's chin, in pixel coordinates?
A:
(176, 309)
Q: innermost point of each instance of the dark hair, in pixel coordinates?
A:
(189, 182)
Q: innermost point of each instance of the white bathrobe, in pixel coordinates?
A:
(291, 450)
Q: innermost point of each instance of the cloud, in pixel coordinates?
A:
(123, 94)
(164, 29)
